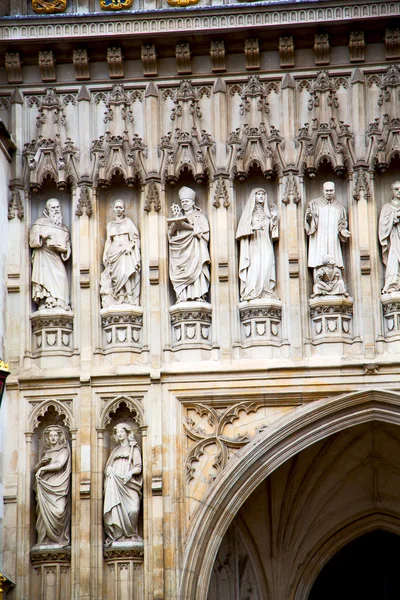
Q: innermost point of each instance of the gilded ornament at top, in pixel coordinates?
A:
(115, 4)
(182, 2)
(49, 6)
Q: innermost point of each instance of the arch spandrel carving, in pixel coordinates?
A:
(111, 407)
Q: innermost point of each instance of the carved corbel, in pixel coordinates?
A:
(15, 205)
(152, 198)
(286, 51)
(221, 194)
(321, 49)
(84, 205)
(49, 6)
(149, 60)
(217, 53)
(81, 64)
(47, 65)
(252, 54)
(115, 61)
(183, 64)
(392, 43)
(357, 46)
(13, 66)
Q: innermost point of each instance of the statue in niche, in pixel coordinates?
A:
(52, 488)
(122, 488)
(189, 259)
(257, 229)
(120, 280)
(326, 226)
(389, 237)
(328, 279)
(51, 245)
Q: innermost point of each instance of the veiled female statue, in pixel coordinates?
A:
(122, 487)
(258, 227)
(120, 280)
(52, 487)
(189, 259)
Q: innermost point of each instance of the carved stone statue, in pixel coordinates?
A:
(120, 280)
(258, 227)
(122, 487)
(51, 245)
(189, 259)
(328, 279)
(326, 226)
(52, 487)
(389, 237)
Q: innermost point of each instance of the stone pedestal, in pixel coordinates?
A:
(331, 319)
(191, 325)
(52, 572)
(124, 576)
(52, 332)
(261, 321)
(391, 315)
(122, 326)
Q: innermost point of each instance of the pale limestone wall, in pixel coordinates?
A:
(198, 406)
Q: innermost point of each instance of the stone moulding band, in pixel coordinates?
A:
(196, 18)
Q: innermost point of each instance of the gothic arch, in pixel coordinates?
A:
(60, 407)
(111, 406)
(287, 437)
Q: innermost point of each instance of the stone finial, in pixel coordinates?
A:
(115, 61)
(392, 43)
(357, 46)
(81, 64)
(182, 53)
(221, 194)
(217, 52)
(286, 51)
(152, 198)
(149, 60)
(47, 65)
(13, 66)
(321, 49)
(15, 206)
(84, 205)
(252, 54)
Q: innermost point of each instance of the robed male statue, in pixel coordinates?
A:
(389, 237)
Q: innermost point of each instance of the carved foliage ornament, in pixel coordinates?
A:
(182, 2)
(115, 4)
(49, 6)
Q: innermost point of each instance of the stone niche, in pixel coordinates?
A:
(121, 322)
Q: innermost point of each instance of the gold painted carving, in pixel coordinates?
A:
(182, 2)
(49, 6)
(115, 4)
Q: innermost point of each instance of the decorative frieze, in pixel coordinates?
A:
(122, 328)
(252, 54)
(357, 46)
(217, 53)
(149, 60)
(47, 65)
(321, 49)
(286, 51)
(392, 44)
(183, 64)
(80, 59)
(52, 332)
(49, 6)
(115, 61)
(331, 319)
(191, 324)
(13, 66)
(261, 321)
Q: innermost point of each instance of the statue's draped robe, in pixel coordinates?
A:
(328, 281)
(189, 259)
(389, 237)
(122, 257)
(327, 221)
(53, 505)
(122, 500)
(49, 275)
(257, 261)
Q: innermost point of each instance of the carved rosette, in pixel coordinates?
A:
(391, 315)
(52, 570)
(52, 331)
(122, 328)
(191, 325)
(331, 319)
(261, 321)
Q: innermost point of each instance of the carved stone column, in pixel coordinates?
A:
(52, 573)
(124, 579)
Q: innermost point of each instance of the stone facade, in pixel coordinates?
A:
(222, 393)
